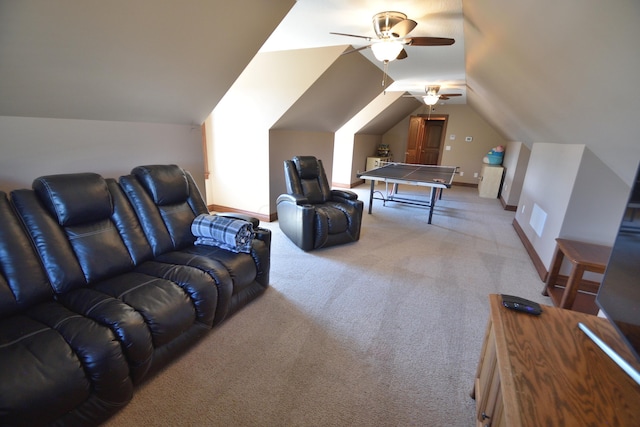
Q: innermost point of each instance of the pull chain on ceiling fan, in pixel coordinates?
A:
(391, 29)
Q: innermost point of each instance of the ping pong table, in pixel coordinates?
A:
(435, 177)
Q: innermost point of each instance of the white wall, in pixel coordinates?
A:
(365, 146)
(396, 139)
(551, 175)
(582, 198)
(238, 148)
(346, 164)
(597, 203)
(463, 121)
(516, 158)
(33, 147)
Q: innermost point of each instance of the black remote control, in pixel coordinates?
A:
(521, 304)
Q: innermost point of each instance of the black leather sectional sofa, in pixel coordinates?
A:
(102, 285)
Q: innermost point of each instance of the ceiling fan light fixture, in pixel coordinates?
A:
(383, 22)
(386, 50)
(431, 99)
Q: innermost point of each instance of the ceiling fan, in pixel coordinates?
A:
(433, 96)
(391, 29)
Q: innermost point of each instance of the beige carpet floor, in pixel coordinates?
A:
(386, 331)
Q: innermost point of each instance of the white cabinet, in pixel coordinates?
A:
(375, 162)
(490, 181)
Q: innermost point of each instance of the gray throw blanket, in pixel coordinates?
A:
(228, 233)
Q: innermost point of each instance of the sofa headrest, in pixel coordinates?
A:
(166, 184)
(307, 166)
(75, 199)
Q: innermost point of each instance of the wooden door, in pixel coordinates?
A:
(424, 144)
(414, 143)
(430, 154)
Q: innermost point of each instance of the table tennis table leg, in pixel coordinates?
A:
(373, 184)
(432, 203)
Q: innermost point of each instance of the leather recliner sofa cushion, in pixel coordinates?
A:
(55, 366)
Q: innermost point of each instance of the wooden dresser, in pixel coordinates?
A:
(544, 371)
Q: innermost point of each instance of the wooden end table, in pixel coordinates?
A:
(583, 257)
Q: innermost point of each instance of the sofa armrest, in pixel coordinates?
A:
(244, 217)
(264, 234)
(344, 194)
(297, 199)
(295, 217)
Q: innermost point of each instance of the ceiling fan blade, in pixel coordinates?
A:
(352, 35)
(355, 50)
(429, 41)
(446, 96)
(402, 54)
(403, 28)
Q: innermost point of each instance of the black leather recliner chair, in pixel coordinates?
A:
(313, 215)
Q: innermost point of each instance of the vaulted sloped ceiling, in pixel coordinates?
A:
(561, 72)
(310, 23)
(543, 71)
(393, 114)
(124, 60)
(344, 89)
